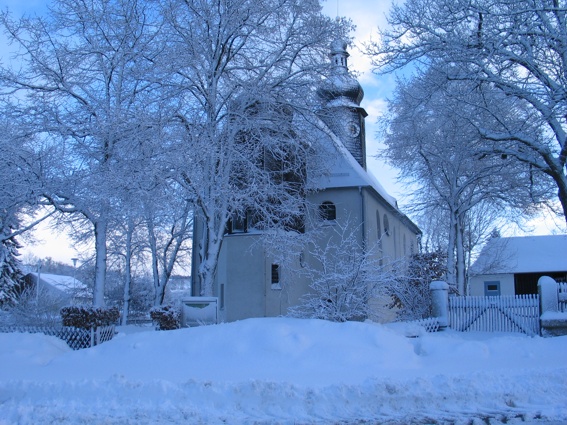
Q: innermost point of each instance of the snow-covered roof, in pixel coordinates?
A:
(345, 171)
(63, 283)
(526, 254)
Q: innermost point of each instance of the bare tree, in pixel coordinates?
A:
(514, 47)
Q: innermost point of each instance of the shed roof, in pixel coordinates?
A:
(63, 283)
(525, 254)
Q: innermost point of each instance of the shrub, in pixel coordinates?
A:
(88, 317)
(166, 317)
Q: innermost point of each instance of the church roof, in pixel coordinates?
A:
(345, 171)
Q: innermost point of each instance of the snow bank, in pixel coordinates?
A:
(283, 371)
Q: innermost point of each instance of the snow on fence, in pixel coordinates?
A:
(430, 324)
(76, 338)
(562, 296)
(518, 313)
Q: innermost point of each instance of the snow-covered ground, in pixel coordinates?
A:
(285, 371)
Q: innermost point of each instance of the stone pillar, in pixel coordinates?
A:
(548, 295)
(552, 321)
(440, 302)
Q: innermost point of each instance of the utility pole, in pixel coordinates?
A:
(74, 260)
(37, 283)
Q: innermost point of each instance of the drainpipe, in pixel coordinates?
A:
(363, 219)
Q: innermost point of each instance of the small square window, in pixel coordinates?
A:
(492, 288)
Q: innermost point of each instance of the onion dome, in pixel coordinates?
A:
(340, 88)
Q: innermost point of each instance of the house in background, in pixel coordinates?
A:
(512, 266)
(254, 279)
(59, 290)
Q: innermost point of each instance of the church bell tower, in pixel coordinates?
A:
(341, 95)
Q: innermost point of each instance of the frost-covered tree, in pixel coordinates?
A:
(243, 72)
(432, 135)
(168, 237)
(81, 80)
(125, 248)
(516, 48)
(20, 187)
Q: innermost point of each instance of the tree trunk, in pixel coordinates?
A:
(128, 273)
(100, 228)
(210, 248)
(562, 193)
(451, 250)
(158, 299)
(460, 257)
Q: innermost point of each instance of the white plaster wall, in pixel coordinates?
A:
(476, 284)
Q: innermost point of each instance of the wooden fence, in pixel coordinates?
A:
(518, 313)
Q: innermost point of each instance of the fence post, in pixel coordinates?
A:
(440, 302)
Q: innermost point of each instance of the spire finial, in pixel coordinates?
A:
(339, 55)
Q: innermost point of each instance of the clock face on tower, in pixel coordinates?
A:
(353, 129)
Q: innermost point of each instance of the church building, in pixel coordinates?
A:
(256, 278)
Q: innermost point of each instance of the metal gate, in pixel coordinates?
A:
(518, 313)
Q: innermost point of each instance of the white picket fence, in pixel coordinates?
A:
(518, 313)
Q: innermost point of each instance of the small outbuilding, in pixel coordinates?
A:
(512, 266)
(65, 290)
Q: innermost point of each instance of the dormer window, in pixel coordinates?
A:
(328, 211)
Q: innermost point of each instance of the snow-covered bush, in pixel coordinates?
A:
(344, 276)
(409, 289)
(33, 308)
(166, 317)
(88, 317)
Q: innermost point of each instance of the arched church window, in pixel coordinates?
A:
(386, 225)
(378, 226)
(328, 211)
